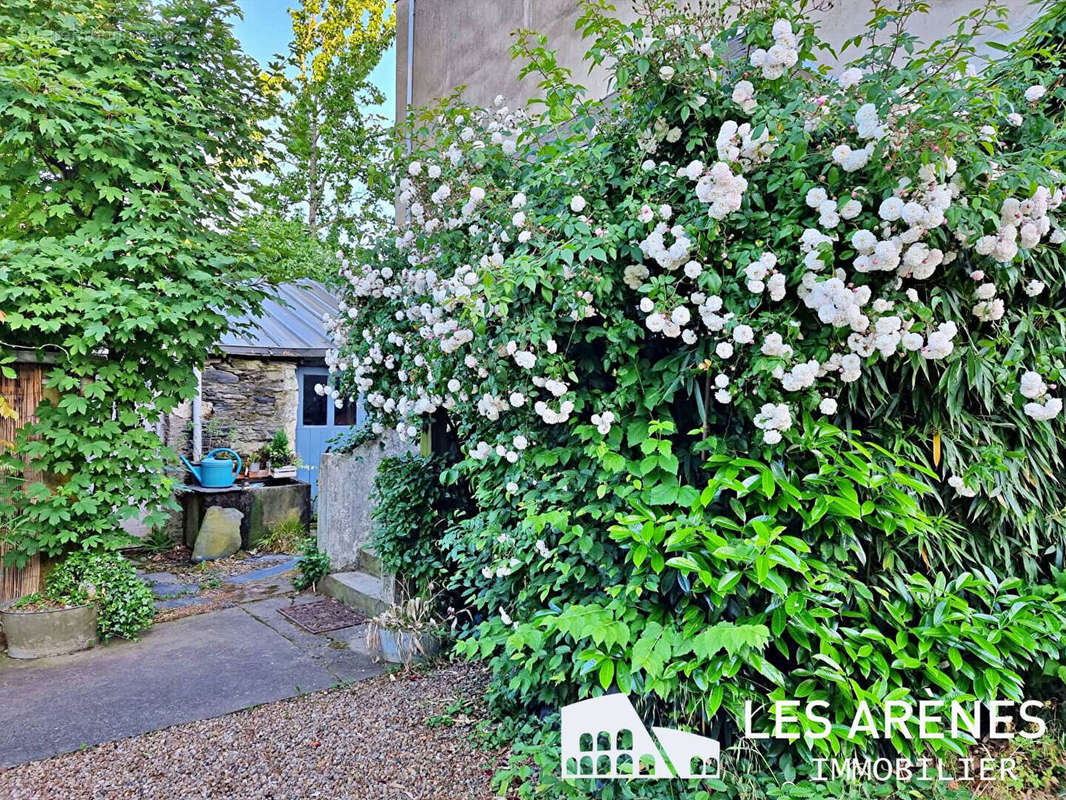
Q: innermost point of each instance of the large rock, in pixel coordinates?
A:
(220, 534)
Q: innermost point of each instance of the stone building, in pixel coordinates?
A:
(262, 379)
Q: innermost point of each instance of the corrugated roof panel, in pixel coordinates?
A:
(290, 323)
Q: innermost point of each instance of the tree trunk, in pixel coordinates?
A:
(313, 198)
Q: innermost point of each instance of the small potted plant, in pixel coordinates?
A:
(257, 466)
(407, 632)
(279, 456)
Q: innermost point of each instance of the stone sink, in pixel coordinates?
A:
(265, 504)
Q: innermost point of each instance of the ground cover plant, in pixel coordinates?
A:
(753, 371)
(412, 512)
(314, 566)
(124, 602)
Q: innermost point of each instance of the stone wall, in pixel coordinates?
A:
(245, 400)
(345, 481)
(253, 398)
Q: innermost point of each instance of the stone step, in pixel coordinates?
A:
(369, 562)
(361, 591)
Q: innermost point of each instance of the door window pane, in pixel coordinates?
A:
(346, 414)
(314, 408)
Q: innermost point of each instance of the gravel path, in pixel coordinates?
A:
(366, 742)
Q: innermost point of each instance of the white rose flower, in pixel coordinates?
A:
(681, 316)
(525, 359)
(744, 95)
(743, 334)
(849, 77)
(1034, 288)
(891, 209)
(1034, 93)
(851, 209)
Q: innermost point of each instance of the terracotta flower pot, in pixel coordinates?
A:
(38, 634)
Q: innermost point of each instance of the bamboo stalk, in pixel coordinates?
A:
(24, 392)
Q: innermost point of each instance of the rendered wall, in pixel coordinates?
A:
(467, 42)
(345, 481)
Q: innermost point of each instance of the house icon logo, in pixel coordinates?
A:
(604, 738)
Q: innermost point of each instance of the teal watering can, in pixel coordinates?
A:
(215, 473)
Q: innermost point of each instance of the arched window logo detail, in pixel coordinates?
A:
(604, 738)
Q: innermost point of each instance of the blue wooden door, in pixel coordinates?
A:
(318, 421)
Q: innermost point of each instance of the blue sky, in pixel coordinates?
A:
(266, 28)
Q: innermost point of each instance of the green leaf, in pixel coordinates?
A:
(732, 638)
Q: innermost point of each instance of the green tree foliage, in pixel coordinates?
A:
(327, 174)
(126, 129)
(1043, 43)
(284, 249)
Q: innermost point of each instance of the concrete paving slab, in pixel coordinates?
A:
(348, 661)
(265, 572)
(165, 591)
(177, 602)
(354, 638)
(194, 668)
(158, 577)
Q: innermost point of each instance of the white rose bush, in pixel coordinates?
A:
(754, 371)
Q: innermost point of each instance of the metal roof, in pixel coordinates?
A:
(289, 325)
